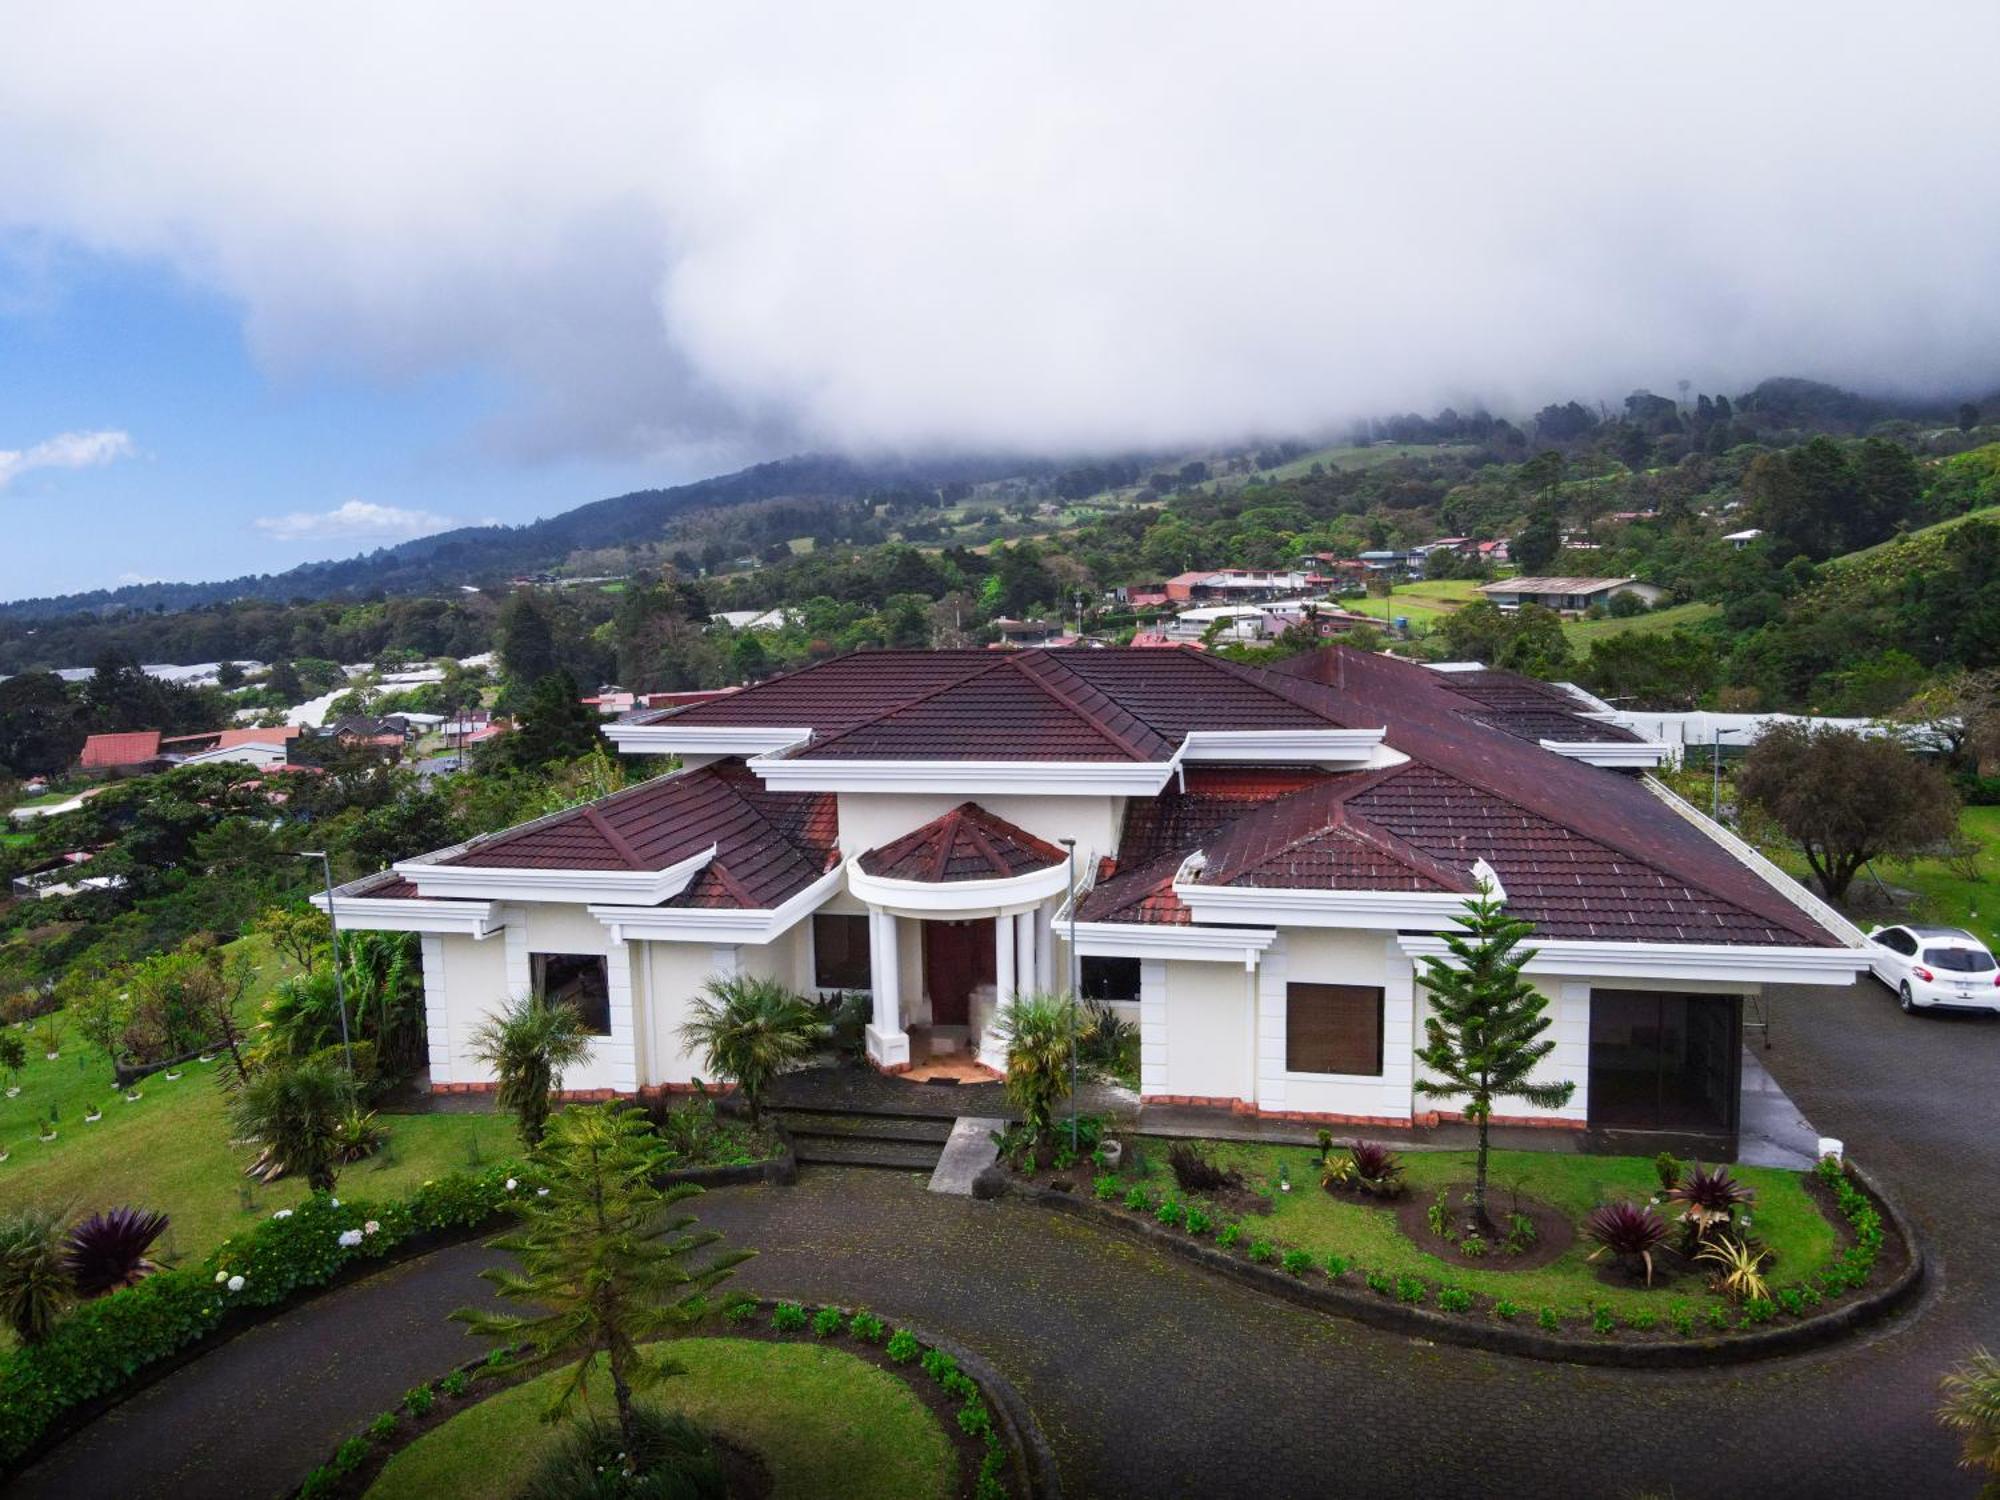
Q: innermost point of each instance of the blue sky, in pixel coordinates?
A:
(95, 344)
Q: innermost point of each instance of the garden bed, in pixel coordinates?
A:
(1352, 1256)
(803, 1402)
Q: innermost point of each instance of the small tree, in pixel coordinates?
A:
(529, 1046)
(300, 933)
(1040, 1033)
(602, 1256)
(34, 1281)
(1846, 798)
(751, 1030)
(1972, 1409)
(1483, 1037)
(297, 1110)
(13, 1054)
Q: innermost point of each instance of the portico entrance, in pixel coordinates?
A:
(958, 959)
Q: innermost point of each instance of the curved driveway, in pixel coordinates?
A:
(1153, 1379)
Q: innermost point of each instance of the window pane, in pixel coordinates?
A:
(1110, 979)
(577, 979)
(1333, 1028)
(1959, 960)
(840, 953)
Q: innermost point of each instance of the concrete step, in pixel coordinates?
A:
(905, 1156)
(831, 1125)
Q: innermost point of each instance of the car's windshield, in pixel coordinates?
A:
(1960, 960)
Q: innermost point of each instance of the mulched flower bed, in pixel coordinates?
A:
(1554, 1231)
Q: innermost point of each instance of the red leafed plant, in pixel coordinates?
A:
(1368, 1167)
(1629, 1231)
(1712, 1197)
(108, 1250)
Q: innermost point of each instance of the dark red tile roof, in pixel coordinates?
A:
(132, 748)
(769, 845)
(967, 843)
(1531, 710)
(1312, 840)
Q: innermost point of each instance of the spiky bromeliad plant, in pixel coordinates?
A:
(606, 1260)
(1972, 1409)
(1368, 1167)
(1629, 1231)
(1483, 1037)
(1739, 1268)
(1711, 1197)
(1040, 1033)
(751, 1030)
(108, 1250)
(530, 1045)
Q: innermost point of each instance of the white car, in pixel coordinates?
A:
(1935, 968)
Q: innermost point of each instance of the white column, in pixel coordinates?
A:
(1024, 951)
(1003, 958)
(1271, 980)
(1402, 1029)
(437, 1009)
(1152, 1026)
(1045, 950)
(620, 1050)
(888, 1043)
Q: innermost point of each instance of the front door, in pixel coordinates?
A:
(958, 958)
(1665, 1062)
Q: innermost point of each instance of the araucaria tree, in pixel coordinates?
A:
(1846, 798)
(751, 1030)
(529, 1046)
(1483, 1038)
(605, 1259)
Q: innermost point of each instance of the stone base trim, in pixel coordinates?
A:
(595, 1096)
(1429, 1120)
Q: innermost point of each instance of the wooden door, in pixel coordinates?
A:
(958, 957)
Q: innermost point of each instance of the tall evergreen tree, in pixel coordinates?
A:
(1483, 1037)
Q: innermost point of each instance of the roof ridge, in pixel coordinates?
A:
(612, 837)
(1103, 730)
(969, 826)
(734, 886)
(912, 702)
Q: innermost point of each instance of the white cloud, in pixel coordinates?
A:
(357, 521)
(1036, 224)
(66, 450)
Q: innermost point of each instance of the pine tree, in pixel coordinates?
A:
(1483, 1037)
(604, 1258)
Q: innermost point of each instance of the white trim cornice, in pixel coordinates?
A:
(510, 883)
(1188, 944)
(687, 924)
(667, 738)
(1745, 963)
(1612, 754)
(1282, 746)
(967, 778)
(956, 898)
(476, 919)
(1390, 911)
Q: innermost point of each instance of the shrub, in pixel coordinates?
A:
(456, 1384)
(1336, 1266)
(1759, 1310)
(1682, 1317)
(938, 1365)
(530, 1045)
(1410, 1289)
(1629, 1231)
(1230, 1234)
(1438, 1216)
(1547, 1320)
(1379, 1281)
(1198, 1221)
(1506, 1311)
(1792, 1302)
(1298, 1262)
(1717, 1318)
(751, 1030)
(1105, 1187)
(417, 1401)
(1139, 1199)
(1040, 1035)
(739, 1309)
(1667, 1167)
(827, 1322)
(1972, 1409)
(108, 1250)
(675, 1461)
(1368, 1167)
(384, 1426)
(1521, 1233)
(34, 1280)
(1739, 1275)
(902, 1346)
(866, 1327)
(1195, 1172)
(1262, 1252)
(1472, 1245)
(1644, 1321)
(1601, 1320)
(1454, 1299)
(1711, 1198)
(788, 1317)
(1171, 1214)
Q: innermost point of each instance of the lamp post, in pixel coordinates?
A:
(333, 926)
(1072, 964)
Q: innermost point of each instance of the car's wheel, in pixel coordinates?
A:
(1906, 999)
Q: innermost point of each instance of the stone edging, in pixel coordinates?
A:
(782, 1169)
(1034, 1459)
(1501, 1338)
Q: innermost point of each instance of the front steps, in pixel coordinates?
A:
(858, 1138)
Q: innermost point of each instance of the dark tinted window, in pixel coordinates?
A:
(1110, 979)
(1959, 960)
(1899, 940)
(576, 979)
(840, 953)
(1333, 1028)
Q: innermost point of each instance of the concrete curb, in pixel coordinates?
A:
(1500, 1338)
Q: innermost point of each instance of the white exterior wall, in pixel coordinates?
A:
(470, 985)
(869, 820)
(1209, 1031)
(1335, 956)
(676, 972)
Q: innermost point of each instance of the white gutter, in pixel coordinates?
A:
(667, 738)
(515, 883)
(685, 924)
(1612, 754)
(1729, 963)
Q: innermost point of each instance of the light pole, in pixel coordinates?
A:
(1072, 964)
(333, 926)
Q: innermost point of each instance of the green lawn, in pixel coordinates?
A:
(1346, 456)
(1309, 1218)
(171, 1150)
(1946, 895)
(830, 1426)
(1582, 632)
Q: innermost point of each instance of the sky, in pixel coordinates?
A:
(279, 284)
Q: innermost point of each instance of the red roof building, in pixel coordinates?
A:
(115, 752)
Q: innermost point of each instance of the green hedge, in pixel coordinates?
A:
(105, 1343)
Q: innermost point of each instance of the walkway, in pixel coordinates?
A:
(1153, 1379)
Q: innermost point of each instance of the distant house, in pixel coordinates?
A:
(685, 699)
(1738, 540)
(1568, 594)
(390, 732)
(268, 754)
(1494, 551)
(1385, 560)
(755, 619)
(611, 703)
(133, 750)
(58, 877)
(1239, 585)
(213, 745)
(465, 721)
(1020, 633)
(1141, 595)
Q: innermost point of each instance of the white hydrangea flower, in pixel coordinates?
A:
(541, 1192)
(350, 1237)
(283, 1213)
(220, 1277)
(336, 1202)
(512, 1184)
(371, 1227)
(236, 1283)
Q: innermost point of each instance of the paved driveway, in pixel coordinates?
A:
(1153, 1379)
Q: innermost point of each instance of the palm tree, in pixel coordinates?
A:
(1972, 1410)
(1040, 1033)
(34, 1281)
(529, 1046)
(603, 1258)
(297, 1109)
(751, 1030)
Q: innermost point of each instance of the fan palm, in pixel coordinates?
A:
(34, 1282)
(751, 1030)
(1040, 1033)
(529, 1046)
(297, 1110)
(1972, 1410)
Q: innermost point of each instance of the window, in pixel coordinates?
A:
(1960, 960)
(1110, 978)
(1898, 940)
(1333, 1028)
(580, 980)
(840, 953)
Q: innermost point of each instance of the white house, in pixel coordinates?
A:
(1567, 593)
(1254, 864)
